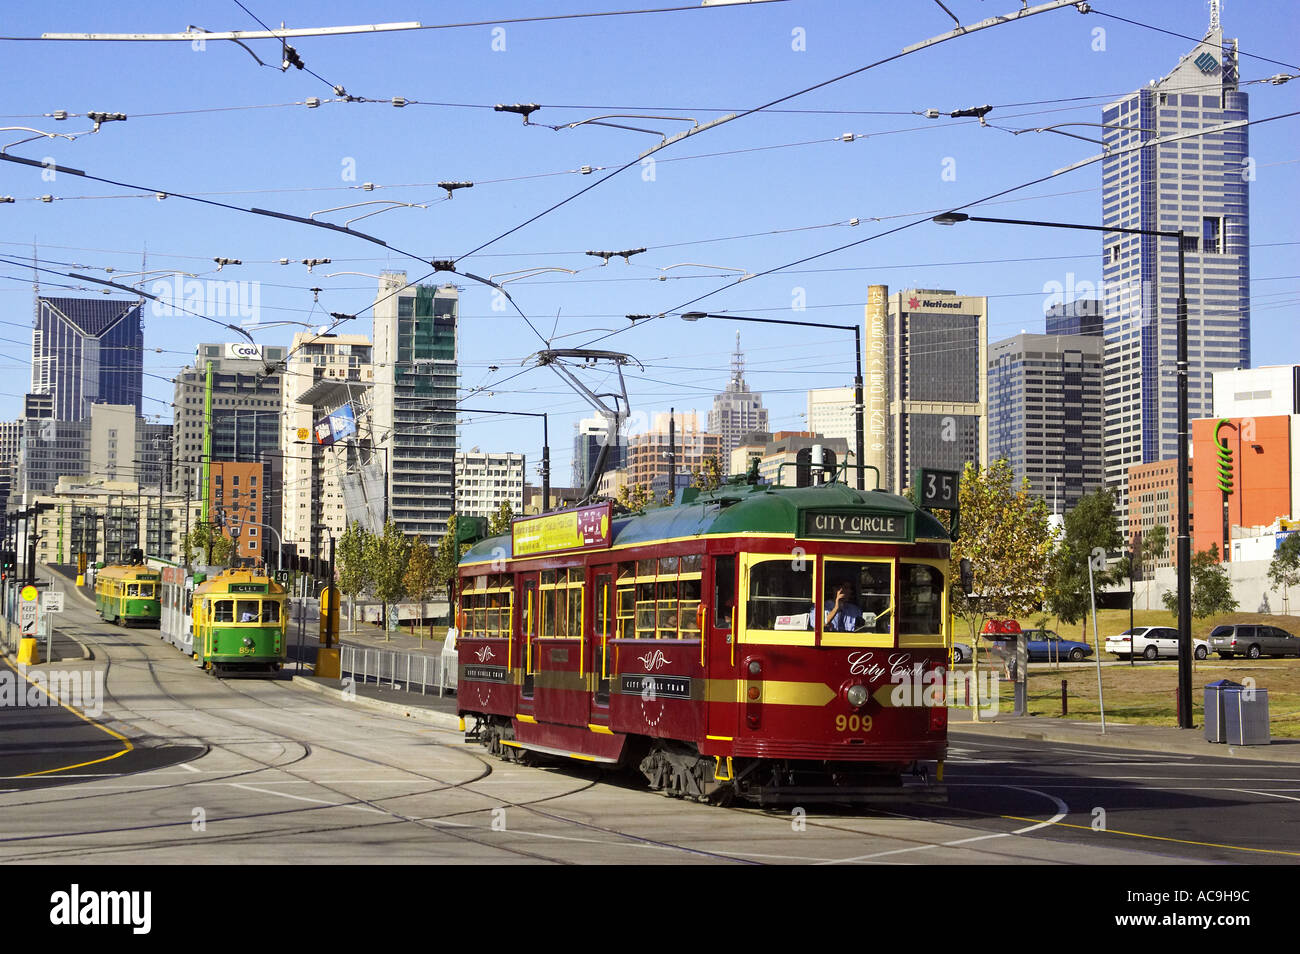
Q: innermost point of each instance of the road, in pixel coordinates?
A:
(253, 771)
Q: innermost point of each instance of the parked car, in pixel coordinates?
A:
(1253, 640)
(1152, 642)
(961, 653)
(1045, 645)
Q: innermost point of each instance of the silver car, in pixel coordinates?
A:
(1253, 641)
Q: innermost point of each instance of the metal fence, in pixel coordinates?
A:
(392, 667)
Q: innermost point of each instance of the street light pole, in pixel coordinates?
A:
(857, 378)
(1184, 524)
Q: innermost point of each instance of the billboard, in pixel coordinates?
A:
(586, 528)
(875, 398)
(338, 426)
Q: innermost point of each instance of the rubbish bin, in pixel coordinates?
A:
(1245, 716)
(1214, 720)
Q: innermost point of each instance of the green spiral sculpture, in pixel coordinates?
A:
(1225, 457)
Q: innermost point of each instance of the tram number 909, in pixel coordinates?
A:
(853, 723)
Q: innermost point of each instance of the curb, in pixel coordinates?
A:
(1260, 753)
(441, 720)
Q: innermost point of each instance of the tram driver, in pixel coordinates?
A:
(843, 614)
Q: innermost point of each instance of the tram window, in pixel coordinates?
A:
(667, 607)
(692, 563)
(645, 567)
(668, 566)
(687, 608)
(270, 611)
(724, 590)
(645, 609)
(575, 611)
(780, 596)
(922, 599)
(223, 611)
(247, 611)
(133, 589)
(872, 587)
(548, 578)
(548, 613)
(626, 612)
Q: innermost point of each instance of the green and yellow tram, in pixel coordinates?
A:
(239, 624)
(127, 594)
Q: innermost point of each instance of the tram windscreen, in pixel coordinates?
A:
(871, 590)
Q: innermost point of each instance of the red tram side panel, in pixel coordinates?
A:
(692, 642)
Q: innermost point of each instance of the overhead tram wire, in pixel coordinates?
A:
(928, 44)
(1073, 167)
(1184, 36)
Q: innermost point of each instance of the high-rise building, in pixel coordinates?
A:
(589, 435)
(328, 389)
(647, 453)
(11, 442)
(484, 481)
(1083, 316)
(124, 447)
(87, 351)
(414, 415)
(242, 424)
(935, 372)
(50, 449)
(831, 414)
(1196, 183)
(1044, 398)
(1153, 495)
(1272, 389)
(737, 410)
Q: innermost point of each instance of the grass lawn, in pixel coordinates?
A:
(1146, 694)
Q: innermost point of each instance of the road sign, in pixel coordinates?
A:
(28, 615)
(938, 488)
(28, 594)
(52, 602)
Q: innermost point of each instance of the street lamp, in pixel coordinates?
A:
(860, 453)
(1184, 532)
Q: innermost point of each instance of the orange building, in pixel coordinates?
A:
(1261, 471)
(238, 491)
(1153, 499)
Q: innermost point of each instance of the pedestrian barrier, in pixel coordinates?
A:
(391, 667)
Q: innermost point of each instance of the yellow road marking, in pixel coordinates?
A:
(1181, 841)
(103, 728)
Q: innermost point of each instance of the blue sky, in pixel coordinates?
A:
(765, 190)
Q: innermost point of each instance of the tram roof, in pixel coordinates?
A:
(735, 509)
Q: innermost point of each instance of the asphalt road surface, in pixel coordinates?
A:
(251, 771)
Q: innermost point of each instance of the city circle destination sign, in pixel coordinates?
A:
(856, 525)
(586, 528)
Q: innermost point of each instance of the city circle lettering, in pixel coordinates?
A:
(888, 526)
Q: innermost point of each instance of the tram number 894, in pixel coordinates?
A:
(853, 723)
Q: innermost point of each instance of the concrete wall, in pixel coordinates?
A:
(1250, 586)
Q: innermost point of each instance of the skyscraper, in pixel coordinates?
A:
(1045, 413)
(1196, 183)
(936, 345)
(737, 410)
(589, 435)
(414, 414)
(87, 351)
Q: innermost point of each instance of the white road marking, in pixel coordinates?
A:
(304, 798)
(1061, 811)
(1289, 798)
(190, 768)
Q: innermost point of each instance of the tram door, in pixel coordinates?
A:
(525, 643)
(720, 628)
(602, 659)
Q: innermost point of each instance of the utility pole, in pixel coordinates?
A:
(672, 452)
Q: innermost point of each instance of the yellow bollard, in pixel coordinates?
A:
(29, 652)
(327, 663)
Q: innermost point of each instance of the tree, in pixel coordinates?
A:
(446, 560)
(1090, 525)
(634, 497)
(499, 522)
(419, 577)
(387, 553)
(195, 545)
(1154, 543)
(708, 476)
(1211, 587)
(1284, 571)
(1006, 535)
(353, 568)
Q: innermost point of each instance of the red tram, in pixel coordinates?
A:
(692, 641)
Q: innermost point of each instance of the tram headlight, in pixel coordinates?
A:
(857, 695)
(248, 641)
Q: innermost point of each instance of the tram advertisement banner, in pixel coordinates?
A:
(586, 528)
